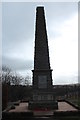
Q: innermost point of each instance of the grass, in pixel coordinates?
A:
(75, 101)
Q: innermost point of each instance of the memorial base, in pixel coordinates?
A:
(43, 105)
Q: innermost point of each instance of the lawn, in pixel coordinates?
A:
(75, 101)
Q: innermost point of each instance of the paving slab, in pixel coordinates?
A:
(23, 107)
(62, 106)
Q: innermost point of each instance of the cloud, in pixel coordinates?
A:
(17, 64)
(18, 36)
(21, 50)
(65, 80)
(64, 48)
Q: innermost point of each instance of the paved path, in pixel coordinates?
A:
(62, 106)
(23, 107)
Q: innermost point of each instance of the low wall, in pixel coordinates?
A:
(66, 113)
(6, 115)
(16, 115)
(75, 106)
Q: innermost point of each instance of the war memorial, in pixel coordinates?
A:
(42, 73)
(42, 104)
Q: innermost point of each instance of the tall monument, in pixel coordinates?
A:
(42, 74)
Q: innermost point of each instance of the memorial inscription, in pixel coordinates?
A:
(42, 81)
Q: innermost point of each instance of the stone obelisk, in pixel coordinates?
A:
(42, 74)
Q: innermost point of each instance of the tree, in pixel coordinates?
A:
(6, 75)
(16, 79)
(27, 80)
(9, 77)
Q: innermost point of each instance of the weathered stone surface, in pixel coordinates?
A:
(42, 74)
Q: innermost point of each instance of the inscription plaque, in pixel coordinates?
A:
(42, 81)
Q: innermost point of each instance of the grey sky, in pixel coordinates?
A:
(18, 36)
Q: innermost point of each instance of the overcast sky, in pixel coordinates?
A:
(18, 37)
